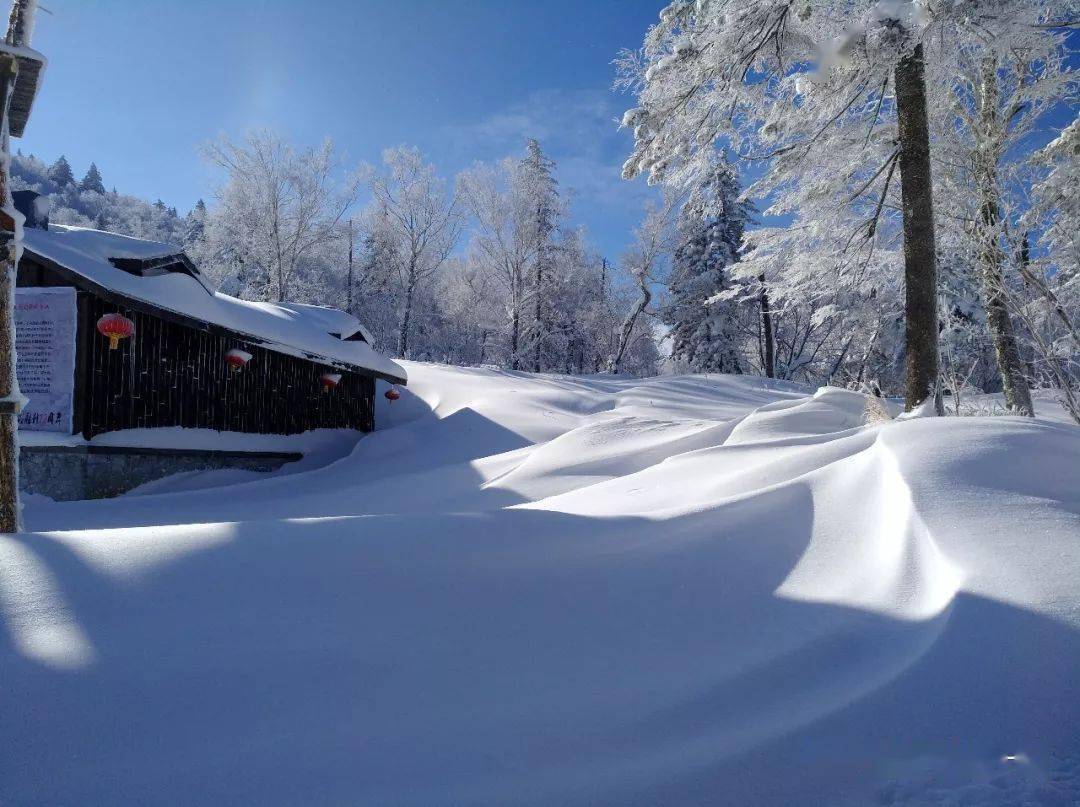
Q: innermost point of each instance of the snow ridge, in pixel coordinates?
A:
(531, 589)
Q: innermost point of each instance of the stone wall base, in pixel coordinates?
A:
(68, 473)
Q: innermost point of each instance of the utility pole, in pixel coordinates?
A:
(20, 71)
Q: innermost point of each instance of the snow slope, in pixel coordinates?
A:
(534, 590)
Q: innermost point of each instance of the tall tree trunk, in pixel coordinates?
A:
(515, 332)
(866, 353)
(920, 261)
(767, 329)
(538, 319)
(349, 289)
(1006, 351)
(603, 311)
(628, 325)
(541, 331)
(406, 316)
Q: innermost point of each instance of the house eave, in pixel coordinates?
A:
(31, 67)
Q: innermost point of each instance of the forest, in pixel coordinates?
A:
(778, 247)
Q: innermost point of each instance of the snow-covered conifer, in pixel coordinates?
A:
(709, 234)
(535, 178)
(92, 180)
(60, 173)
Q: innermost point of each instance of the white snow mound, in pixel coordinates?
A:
(539, 590)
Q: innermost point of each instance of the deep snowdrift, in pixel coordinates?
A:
(571, 591)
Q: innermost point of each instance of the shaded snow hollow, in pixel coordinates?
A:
(536, 590)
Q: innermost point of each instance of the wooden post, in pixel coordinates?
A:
(20, 24)
(9, 246)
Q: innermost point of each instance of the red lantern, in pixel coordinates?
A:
(115, 327)
(237, 359)
(392, 394)
(330, 380)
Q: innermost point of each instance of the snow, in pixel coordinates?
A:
(196, 439)
(283, 327)
(330, 320)
(539, 590)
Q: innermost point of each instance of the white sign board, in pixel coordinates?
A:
(45, 327)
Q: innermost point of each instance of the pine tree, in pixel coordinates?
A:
(196, 223)
(538, 177)
(709, 232)
(92, 181)
(60, 173)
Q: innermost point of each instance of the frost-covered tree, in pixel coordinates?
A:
(567, 316)
(92, 181)
(60, 173)
(709, 233)
(503, 204)
(422, 221)
(1055, 203)
(643, 263)
(461, 307)
(111, 211)
(538, 189)
(990, 94)
(832, 96)
(195, 223)
(277, 208)
(1051, 315)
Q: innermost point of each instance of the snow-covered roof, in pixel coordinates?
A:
(331, 320)
(31, 69)
(292, 328)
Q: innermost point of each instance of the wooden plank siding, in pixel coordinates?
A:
(173, 374)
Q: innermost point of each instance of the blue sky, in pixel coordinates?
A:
(137, 85)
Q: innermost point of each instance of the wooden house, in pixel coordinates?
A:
(119, 333)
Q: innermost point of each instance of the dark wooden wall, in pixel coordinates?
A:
(169, 374)
(173, 375)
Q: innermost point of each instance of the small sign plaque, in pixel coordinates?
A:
(45, 327)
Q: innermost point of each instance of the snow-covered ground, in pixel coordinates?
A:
(533, 590)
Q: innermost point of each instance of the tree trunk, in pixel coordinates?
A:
(866, 353)
(9, 386)
(1006, 351)
(539, 315)
(349, 289)
(515, 336)
(406, 316)
(767, 330)
(603, 311)
(628, 326)
(920, 261)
